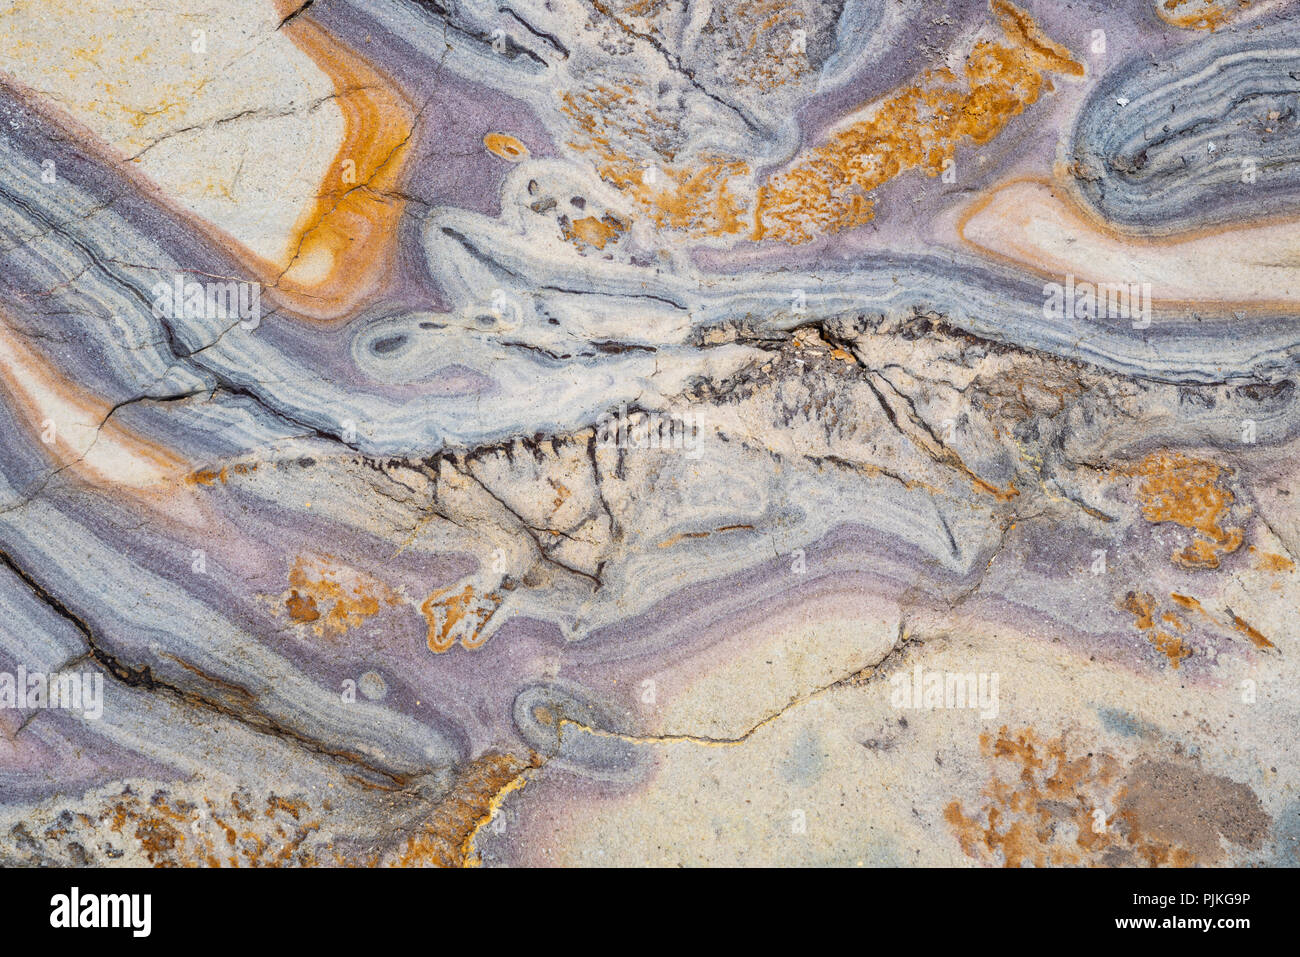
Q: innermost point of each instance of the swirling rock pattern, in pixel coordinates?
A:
(440, 432)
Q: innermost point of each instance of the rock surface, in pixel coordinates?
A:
(575, 432)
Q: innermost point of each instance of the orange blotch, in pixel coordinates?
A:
(694, 197)
(1191, 493)
(591, 231)
(212, 476)
(1039, 809)
(458, 616)
(825, 191)
(1270, 562)
(302, 608)
(351, 596)
(506, 146)
(1143, 608)
(1024, 819)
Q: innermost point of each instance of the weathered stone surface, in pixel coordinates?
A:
(609, 432)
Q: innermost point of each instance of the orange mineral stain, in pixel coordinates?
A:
(446, 838)
(1191, 493)
(1143, 608)
(625, 139)
(1188, 602)
(346, 240)
(506, 147)
(1199, 14)
(222, 475)
(458, 616)
(1271, 562)
(302, 608)
(590, 231)
(74, 427)
(1251, 632)
(826, 190)
(173, 832)
(1046, 803)
(350, 596)
(1017, 822)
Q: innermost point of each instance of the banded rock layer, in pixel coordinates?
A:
(621, 432)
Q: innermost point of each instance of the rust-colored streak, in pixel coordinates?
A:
(1251, 632)
(1272, 562)
(446, 838)
(1188, 602)
(344, 243)
(1200, 14)
(686, 536)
